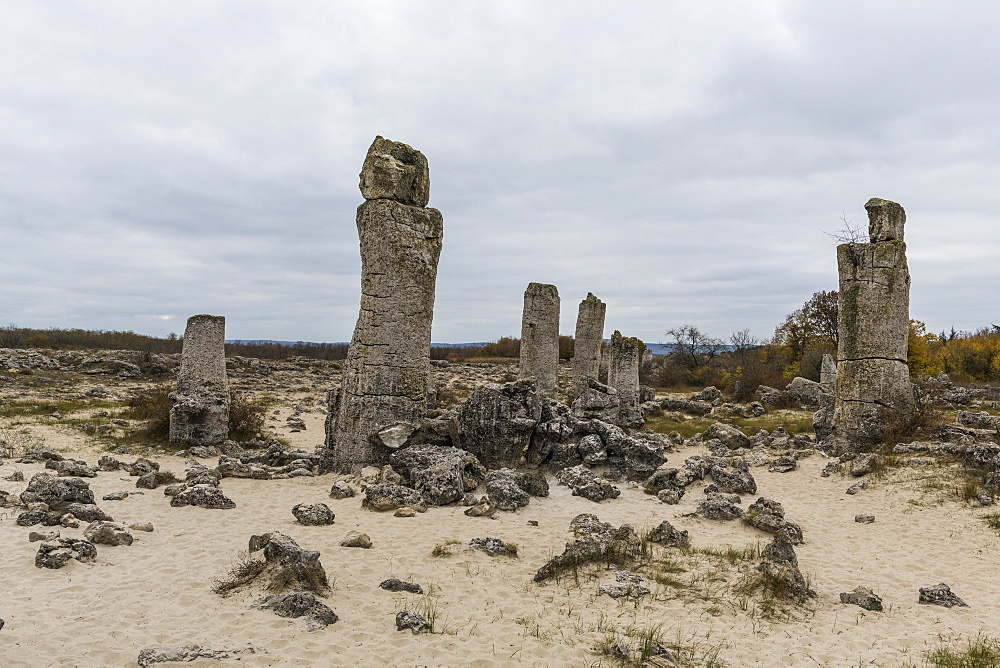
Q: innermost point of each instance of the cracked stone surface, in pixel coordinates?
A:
(540, 337)
(200, 414)
(872, 379)
(386, 376)
(623, 376)
(587, 342)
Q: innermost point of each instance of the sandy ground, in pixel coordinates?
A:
(488, 611)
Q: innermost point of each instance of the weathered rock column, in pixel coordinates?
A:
(873, 381)
(823, 418)
(200, 414)
(587, 342)
(540, 338)
(386, 374)
(623, 375)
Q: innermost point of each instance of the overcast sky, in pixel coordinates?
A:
(680, 160)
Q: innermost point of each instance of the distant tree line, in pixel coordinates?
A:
(696, 359)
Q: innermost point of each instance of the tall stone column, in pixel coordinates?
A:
(587, 342)
(383, 392)
(623, 375)
(200, 414)
(873, 381)
(540, 338)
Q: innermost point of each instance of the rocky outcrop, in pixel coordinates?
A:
(779, 567)
(442, 475)
(386, 377)
(593, 541)
(540, 338)
(200, 412)
(287, 566)
(873, 381)
(55, 492)
(587, 343)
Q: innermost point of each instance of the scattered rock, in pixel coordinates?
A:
(356, 539)
(718, 509)
(141, 526)
(440, 474)
(107, 533)
(783, 464)
(412, 621)
(87, 512)
(206, 496)
(55, 553)
(318, 514)
(494, 547)
(35, 536)
(833, 466)
(857, 487)
(864, 518)
(341, 490)
(632, 586)
(398, 585)
(584, 483)
(405, 511)
(300, 604)
(387, 496)
(665, 534)
(864, 597)
(940, 595)
(115, 496)
(179, 653)
(864, 463)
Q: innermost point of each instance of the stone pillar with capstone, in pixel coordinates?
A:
(383, 391)
(873, 387)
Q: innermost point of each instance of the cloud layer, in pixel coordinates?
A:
(679, 160)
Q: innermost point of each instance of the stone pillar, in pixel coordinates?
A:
(200, 414)
(383, 392)
(823, 418)
(587, 342)
(540, 338)
(873, 381)
(623, 376)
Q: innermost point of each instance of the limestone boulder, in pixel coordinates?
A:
(496, 422)
(395, 171)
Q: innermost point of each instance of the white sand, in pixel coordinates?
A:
(158, 590)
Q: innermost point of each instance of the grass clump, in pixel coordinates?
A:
(979, 652)
(442, 550)
(244, 571)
